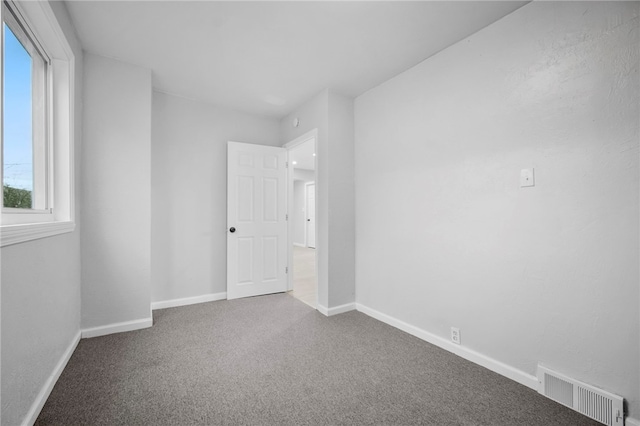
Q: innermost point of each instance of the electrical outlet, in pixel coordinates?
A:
(455, 335)
(527, 178)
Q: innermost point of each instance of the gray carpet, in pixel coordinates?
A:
(272, 360)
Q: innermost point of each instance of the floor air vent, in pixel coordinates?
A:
(595, 403)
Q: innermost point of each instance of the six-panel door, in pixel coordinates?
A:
(256, 220)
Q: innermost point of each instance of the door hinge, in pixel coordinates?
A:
(286, 217)
(286, 269)
(286, 165)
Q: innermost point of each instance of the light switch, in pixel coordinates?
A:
(526, 178)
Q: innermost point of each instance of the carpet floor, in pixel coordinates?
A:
(272, 360)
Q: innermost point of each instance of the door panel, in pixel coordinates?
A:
(256, 212)
(245, 260)
(245, 199)
(270, 197)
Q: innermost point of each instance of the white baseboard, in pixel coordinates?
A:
(117, 328)
(44, 393)
(322, 309)
(630, 421)
(188, 301)
(466, 353)
(336, 309)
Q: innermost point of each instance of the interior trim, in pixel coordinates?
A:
(496, 366)
(44, 393)
(117, 328)
(15, 234)
(212, 297)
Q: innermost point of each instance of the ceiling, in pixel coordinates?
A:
(269, 57)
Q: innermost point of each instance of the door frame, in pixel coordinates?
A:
(306, 207)
(289, 146)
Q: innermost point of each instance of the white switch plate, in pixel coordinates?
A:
(455, 335)
(526, 178)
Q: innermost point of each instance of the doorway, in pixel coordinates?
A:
(303, 282)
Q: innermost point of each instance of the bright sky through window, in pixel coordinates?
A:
(17, 109)
(37, 103)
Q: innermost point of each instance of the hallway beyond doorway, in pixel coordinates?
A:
(304, 275)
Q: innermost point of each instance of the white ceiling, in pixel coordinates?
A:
(268, 57)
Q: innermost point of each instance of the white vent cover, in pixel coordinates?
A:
(600, 405)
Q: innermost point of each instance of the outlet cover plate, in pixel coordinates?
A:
(455, 335)
(527, 178)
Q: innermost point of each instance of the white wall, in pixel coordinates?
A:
(332, 115)
(189, 192)
(299, 213)
(342, 229)
(40, 290)
(445, 235)
(314, 114)
(116, 164)
(304, 174)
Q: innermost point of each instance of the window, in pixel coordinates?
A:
(24, 139)
(37, 124)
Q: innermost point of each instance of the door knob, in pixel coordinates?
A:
(308, 220)
(232, 229)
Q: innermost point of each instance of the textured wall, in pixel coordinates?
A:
(445, 235)
(298, 215)
(189, 192)
(314, 114)
(332, 115)
(116, 208)
(342, 229)
(41, 289)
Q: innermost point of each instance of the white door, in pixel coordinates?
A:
(311, 215)
(256, 220)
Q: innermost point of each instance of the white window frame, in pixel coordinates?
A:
(40, 116)
(21, 225)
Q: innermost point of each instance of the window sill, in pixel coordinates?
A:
(15, 234)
